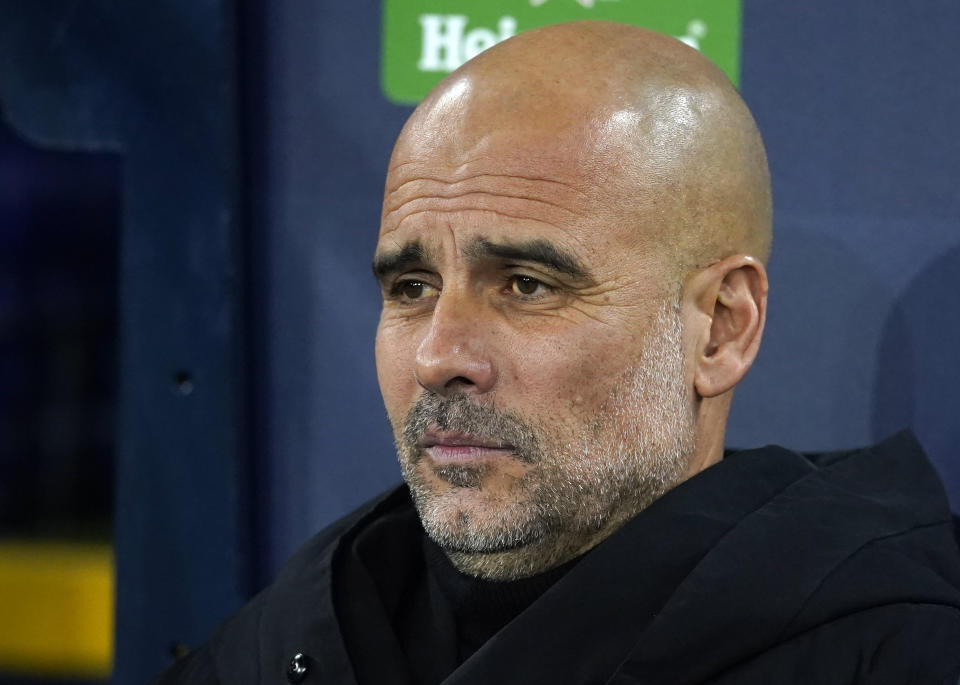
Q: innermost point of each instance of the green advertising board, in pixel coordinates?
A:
(424, 40)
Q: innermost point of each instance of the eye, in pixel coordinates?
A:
(412, 290)
(527, 285)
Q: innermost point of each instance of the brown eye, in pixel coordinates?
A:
(412, 290)
(525, 285)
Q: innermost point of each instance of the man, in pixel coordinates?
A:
(571, 256)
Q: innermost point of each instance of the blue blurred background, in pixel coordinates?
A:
(189, 199)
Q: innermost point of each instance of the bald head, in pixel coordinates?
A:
(649, 133)
(570, 251)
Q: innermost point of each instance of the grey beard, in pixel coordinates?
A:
(461, 414)
(578, 488)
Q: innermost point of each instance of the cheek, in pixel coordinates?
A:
(570, 379)
(394, 353)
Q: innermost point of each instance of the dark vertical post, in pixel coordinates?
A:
(158, 82)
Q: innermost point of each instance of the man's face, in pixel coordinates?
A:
(529, 353)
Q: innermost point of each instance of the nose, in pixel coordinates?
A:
(454, 355)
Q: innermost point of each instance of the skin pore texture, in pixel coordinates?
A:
(571, 257)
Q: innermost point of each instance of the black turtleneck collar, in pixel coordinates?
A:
(408, 616)
(481, 607)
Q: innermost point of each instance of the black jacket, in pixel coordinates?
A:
(769, 567)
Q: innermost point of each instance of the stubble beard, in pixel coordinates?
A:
(577, 489)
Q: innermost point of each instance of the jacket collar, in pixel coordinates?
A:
(719, 567)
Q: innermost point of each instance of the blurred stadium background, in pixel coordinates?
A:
(189, 197)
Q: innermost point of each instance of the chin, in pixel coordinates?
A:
(473, 521)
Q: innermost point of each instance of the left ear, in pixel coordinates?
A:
(730, 301)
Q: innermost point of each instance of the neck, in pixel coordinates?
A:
(710, 433)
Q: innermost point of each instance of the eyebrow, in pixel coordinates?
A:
(387, 263)
(413, 255)
(537, 251)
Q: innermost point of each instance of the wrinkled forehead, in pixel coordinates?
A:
(577, 168)
(611, 151)
(518, 181)
(571, 188)
(549, 201)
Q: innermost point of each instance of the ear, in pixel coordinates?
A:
(730, 298)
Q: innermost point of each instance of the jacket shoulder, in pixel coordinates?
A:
(887, 645)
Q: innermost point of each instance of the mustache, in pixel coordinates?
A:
(458, 413)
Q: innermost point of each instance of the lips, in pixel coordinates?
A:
(450, 447)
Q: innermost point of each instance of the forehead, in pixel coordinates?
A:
(508, 183)
(533, 203)
(515, 193)
(583, 175)
(476, 213)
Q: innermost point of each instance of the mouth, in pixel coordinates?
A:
(445, 447)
